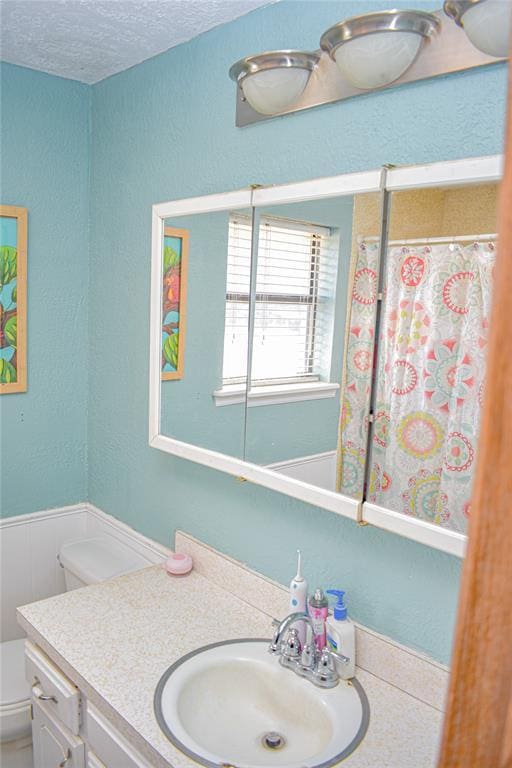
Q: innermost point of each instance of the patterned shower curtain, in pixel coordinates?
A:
(430, 379)
(357, 371)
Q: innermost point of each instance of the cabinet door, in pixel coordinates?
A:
(54, 745)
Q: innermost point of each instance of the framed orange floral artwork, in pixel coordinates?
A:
(174, 301)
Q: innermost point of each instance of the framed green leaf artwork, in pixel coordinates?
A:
(174, 301)
(13, 299)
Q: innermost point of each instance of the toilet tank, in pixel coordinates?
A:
(88, 561)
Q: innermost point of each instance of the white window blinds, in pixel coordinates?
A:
(295, 287)
(237, 300)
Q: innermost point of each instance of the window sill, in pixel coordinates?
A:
(233, 394)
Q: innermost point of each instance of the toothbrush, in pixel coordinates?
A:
(299, 597)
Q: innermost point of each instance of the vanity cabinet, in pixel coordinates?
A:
(54, 745)
(67, 730)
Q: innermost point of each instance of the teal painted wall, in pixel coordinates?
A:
(45, 168)
(165, 129)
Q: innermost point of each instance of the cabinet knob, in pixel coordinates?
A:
(66, 759)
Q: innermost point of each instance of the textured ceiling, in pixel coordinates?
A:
(89, 40)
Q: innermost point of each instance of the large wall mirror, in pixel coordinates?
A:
(206, 264)
(336, 351)
(305, 283)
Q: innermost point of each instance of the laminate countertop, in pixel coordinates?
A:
(115, 639)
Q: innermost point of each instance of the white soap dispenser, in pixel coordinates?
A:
(341, 636)
(299, 597)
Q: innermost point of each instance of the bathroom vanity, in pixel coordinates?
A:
(94, 657)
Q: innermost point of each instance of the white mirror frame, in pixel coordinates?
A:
(450, 173)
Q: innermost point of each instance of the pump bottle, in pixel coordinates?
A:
(341, 635)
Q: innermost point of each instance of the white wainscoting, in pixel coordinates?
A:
(29, 569)
(318, 469)
(99, 522)
(29, 545)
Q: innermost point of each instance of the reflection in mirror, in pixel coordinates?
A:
(306, 266)
(438, 273)
(205, 310)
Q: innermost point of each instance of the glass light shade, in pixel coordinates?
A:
(272, 90)
(371, 61)
(488, 26)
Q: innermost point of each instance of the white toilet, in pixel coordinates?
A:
(15, 723)
(84, 562)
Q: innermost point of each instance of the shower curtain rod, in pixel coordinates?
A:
(429, 240)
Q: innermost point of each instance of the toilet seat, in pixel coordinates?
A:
(15, 720)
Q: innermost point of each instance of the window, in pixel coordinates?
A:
(293, 315)
(237, 300)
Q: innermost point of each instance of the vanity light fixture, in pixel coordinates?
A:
(375, 49)
(272, 81)
(487, 23)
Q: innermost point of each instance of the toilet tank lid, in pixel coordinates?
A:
(99, 558)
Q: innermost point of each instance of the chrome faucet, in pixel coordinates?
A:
(282, 626)
(306, 661)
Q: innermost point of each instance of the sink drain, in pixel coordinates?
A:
(273, 740)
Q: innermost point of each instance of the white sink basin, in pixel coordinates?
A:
(232, 704)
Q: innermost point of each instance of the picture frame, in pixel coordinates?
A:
(13, 299)
(174, 301)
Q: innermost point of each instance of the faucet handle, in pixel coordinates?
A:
(326, 660)
(338, 656)
(325, 674)
(291, 649)
(308, 657)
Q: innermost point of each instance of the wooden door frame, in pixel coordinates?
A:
(478, 726)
